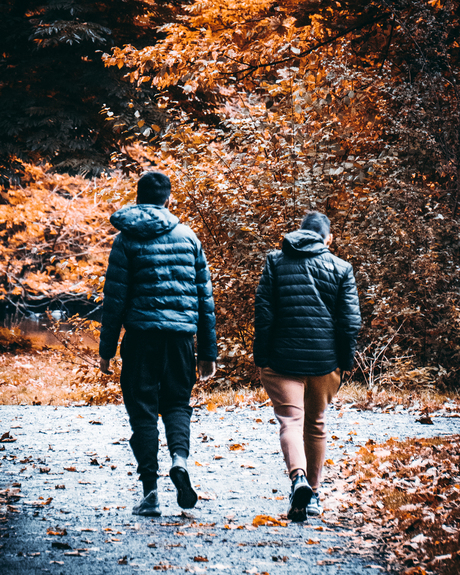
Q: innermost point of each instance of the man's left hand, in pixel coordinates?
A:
(206, 369)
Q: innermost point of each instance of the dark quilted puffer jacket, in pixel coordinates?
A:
(157, 279)
(307, 315)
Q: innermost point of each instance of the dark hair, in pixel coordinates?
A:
(153, 188)
(316, 222)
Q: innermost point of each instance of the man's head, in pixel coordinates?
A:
(319, 223)
(153, 188)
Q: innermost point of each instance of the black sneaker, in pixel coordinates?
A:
(301, 493)
(149, 506)
(186, 496)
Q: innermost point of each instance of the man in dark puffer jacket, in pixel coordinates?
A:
(307, 321)
(158, 287)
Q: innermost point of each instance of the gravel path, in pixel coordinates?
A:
(78, 483)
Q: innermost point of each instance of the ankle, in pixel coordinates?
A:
(149, 486)
(296, 473)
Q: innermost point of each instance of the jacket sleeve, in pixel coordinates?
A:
(264, 315)
(206, 332)
(115, 299)
(348, 321)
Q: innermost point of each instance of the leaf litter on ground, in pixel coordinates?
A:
(407, 494)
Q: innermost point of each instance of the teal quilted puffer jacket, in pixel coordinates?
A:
(157, 279)
(307, 314)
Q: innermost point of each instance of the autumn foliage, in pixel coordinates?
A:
(350, 108)
(269, 110)
(410, 489)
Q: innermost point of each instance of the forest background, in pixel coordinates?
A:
(258, 111)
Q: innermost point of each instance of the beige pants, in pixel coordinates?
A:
(300, 404)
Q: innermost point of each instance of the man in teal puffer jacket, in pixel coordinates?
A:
(158, 287)
(307, 320)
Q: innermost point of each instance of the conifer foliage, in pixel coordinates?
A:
(57, 100)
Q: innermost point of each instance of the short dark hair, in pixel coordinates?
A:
(153, 188)
(317, 222)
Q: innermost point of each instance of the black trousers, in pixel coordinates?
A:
(157, 376)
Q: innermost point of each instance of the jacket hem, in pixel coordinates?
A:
(303, 373)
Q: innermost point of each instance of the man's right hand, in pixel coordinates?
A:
(104, 366)
(206, 369)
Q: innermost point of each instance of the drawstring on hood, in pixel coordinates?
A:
(303, 244)
(144, 221)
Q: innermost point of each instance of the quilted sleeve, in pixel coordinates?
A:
(206, 329)
(264, 315)
(348, 321)
(115, 299)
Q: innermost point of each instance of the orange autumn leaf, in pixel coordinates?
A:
(57, 531)
(260, 520)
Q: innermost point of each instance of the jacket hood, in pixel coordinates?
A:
(303, 244)
(144, 221)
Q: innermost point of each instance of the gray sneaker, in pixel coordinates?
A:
(149, 506)
(314, 507)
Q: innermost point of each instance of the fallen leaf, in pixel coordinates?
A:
(236, 447)
(426, 420)
(199, 559)
(7, 438)
(211, 406)
(70, 468)
(96, 422)
(56, 531)
(267, 520)
(205, 496)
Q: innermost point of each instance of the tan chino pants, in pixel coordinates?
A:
(300, 404)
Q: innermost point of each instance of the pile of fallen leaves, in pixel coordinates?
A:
(411, 489)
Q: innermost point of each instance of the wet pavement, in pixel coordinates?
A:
(73, 482)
